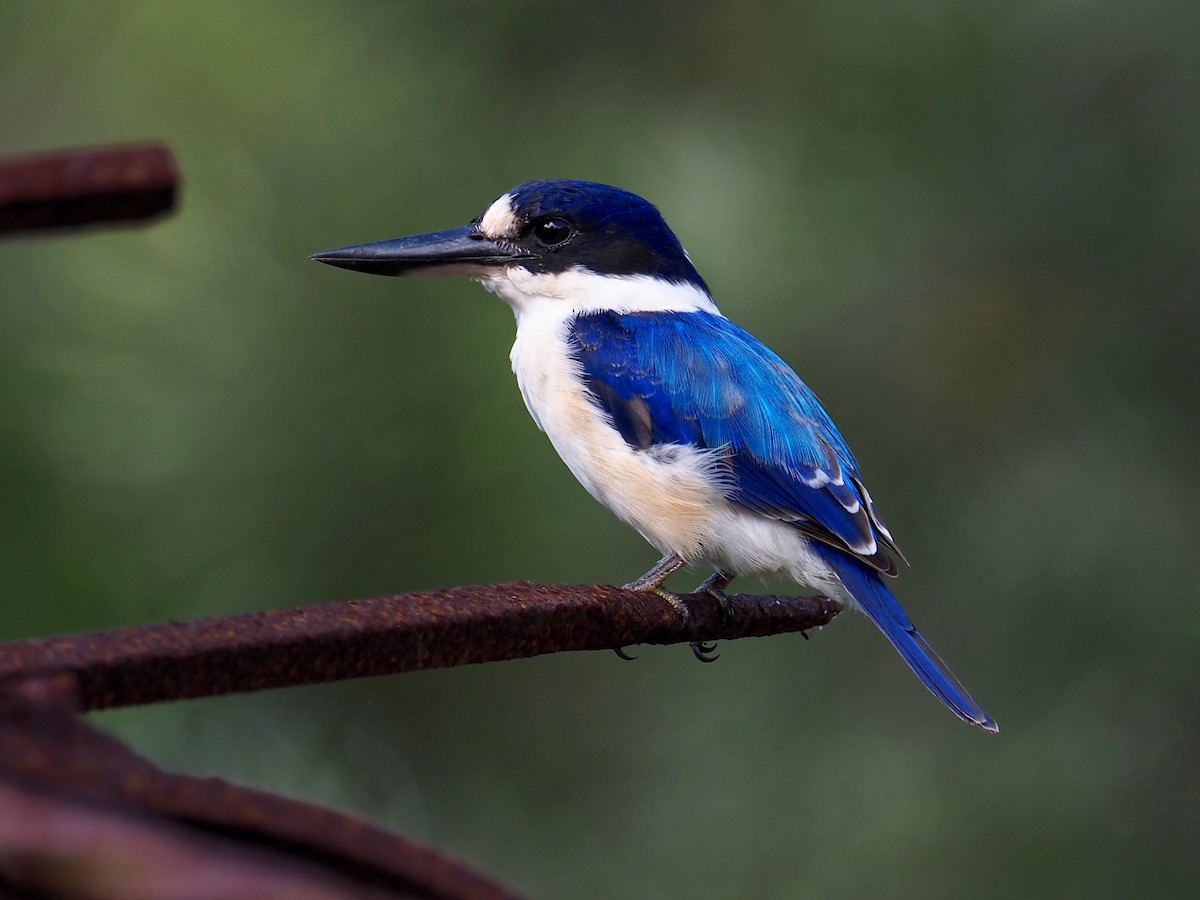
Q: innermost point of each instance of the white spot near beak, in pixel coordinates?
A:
(499, 221)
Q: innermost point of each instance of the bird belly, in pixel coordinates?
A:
(669, 497)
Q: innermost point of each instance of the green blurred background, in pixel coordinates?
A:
(972, 227)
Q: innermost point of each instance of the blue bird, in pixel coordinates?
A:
(683, 424)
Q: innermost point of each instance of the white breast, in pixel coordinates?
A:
(669, 493)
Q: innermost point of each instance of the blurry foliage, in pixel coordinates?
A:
(971, 227)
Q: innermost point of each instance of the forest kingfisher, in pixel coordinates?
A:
(680, 422)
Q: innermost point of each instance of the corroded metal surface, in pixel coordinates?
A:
(357, 638)
(81, 815)
(80, 187)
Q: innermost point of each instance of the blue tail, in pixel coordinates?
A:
(867, 587)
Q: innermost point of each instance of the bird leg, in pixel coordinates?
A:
(659, 572)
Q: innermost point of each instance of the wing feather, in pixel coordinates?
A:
(696, 378)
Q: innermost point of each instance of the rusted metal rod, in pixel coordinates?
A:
(81, 815)
(80, 187)
(381, 636)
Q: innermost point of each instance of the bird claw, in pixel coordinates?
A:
(703, 651)
(620, 651)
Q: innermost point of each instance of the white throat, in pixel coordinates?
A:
(562, 295)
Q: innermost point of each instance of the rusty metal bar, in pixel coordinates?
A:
(357, 638)
(81, 815)
(81, 187)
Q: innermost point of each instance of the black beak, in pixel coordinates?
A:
(458, 251)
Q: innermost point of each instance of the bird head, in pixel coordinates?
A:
(542, 238)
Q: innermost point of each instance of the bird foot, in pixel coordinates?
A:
(723, 602)
(647, 583)
(702, 650)
(714, 586)
(670, 596)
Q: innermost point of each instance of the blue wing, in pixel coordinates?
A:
(697, 378)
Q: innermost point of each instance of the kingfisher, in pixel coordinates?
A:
(679, 421)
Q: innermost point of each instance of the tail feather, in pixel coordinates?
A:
(866, 586)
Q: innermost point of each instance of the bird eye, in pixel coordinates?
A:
(551, 230)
